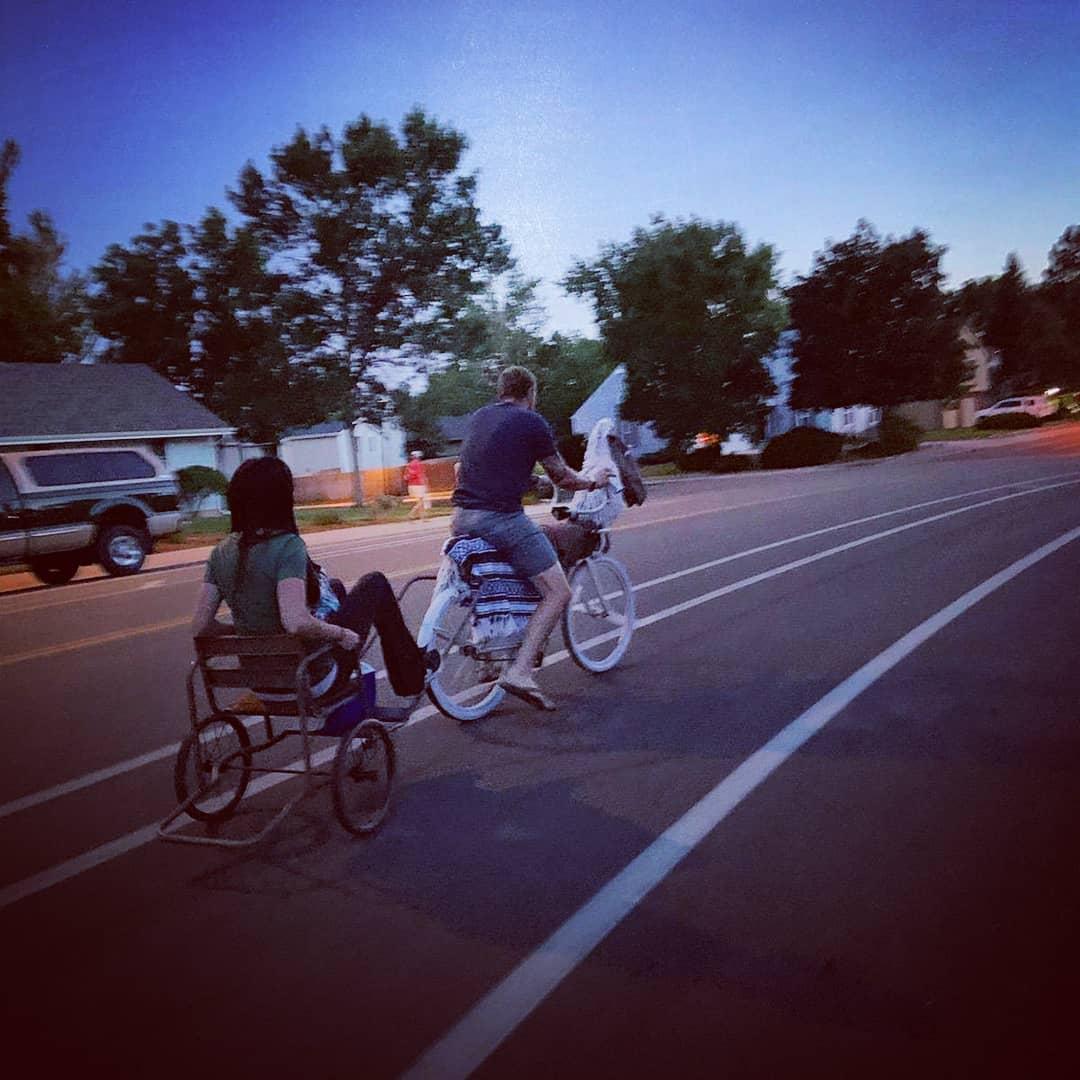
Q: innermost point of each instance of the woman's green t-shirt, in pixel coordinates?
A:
(253, 600)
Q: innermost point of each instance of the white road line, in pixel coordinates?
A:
(466, 1046)
(68, 787)
(111, 772)
(71, 868)
(22, 603)
(843, 525)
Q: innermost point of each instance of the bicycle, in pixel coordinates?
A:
(597, 625)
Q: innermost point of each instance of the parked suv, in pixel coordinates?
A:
(62, 509)
(1037, 405)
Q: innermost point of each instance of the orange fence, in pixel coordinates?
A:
(331, 485)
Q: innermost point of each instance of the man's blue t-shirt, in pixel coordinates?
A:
(503, 443)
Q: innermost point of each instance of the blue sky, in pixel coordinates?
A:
(791, 118)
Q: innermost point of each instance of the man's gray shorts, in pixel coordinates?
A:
(519, 538)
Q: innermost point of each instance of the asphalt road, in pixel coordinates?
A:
(822, 820)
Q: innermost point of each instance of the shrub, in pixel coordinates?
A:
(1007, 421)
(800, 447)
(898, 435)
(199, 482)
(710, 459)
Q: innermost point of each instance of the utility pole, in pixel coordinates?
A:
(358, 480)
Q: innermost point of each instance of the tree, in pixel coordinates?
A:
(143, 303)
(494, 329)
(568, 370)
(1063, 265)
(383, 231)
(41, 308)
(254, 364)
(501, 327)
(1061, 292)
(1029, 332)
(207, 314)
(873, 325)
(691, 312)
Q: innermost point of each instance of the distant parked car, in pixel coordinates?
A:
(1037, 405)
(62, 509)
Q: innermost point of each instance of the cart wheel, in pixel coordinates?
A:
(363, 774)
(214, 763)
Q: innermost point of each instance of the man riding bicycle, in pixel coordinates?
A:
(503, 443)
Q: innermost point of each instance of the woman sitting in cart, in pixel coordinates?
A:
(263, 572)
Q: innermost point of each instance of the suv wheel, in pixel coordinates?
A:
(55, 569)
(121, 549)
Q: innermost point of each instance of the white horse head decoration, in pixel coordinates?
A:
(602, 506)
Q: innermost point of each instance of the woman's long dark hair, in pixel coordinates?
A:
(260, 498)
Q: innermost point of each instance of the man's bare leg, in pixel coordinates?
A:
(554, 596)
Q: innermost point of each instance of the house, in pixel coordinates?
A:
(325, 447)
(859, 419)
(847, 420)
(606, 401)
(982, 362)
(73, 405)
(642, 438)
(453, 430)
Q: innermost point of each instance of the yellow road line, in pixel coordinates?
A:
(100, 639)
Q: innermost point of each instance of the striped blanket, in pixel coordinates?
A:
(504, 600)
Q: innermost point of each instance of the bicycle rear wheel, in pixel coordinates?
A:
(599, 620)
(463, 688)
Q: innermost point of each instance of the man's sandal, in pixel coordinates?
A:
(533, 695)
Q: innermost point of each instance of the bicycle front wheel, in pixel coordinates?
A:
(599, 620)
(463, 688)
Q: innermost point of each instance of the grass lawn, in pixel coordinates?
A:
(954, 434)
(203, 531)
(667, 468)
(950, 434)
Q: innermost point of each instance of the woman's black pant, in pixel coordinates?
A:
(372, 600)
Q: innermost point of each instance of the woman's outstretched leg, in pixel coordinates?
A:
(371, 600)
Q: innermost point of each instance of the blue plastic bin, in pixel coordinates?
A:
(351, 711)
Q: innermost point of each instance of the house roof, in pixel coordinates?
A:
(454, 428)
(43, 402)
(327, 427)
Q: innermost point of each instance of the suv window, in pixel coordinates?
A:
(54, 470)
(1008, 403)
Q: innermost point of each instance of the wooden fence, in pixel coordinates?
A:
(332, 485)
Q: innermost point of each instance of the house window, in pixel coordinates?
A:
(849, 418)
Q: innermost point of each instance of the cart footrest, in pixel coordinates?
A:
(390, 714)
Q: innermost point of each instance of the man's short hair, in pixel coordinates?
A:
(516, 382)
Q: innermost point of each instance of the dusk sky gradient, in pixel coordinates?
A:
(792, 119)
